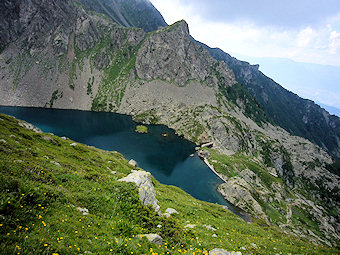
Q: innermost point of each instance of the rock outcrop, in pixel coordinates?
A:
(238, 192)
(145, 186)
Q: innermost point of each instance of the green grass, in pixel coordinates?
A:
(142, 129)
(39, 200)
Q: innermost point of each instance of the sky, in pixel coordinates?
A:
(300, 30)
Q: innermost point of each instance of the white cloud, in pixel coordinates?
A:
(305, 36)
(334, 42)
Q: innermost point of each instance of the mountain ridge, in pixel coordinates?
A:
(280, 104)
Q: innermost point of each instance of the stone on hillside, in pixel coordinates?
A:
(214, 235)
(153, 238)
(219, 251)
(146, 189)
(84, 211)
(51, 140)
(29, 126)
(133, 163)
(73, 144)
(190, 226)
(209, 227)
(55, 163)
(170, 211)
(3, 141)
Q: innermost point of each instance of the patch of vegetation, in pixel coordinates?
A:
(334, 167)
(149, 117)
(72, 75)
(55, 95)
(266, 151)
(2, 48)
(238, 95)
(142, 129)
(19, 67)
(44, 182)
(90, 85)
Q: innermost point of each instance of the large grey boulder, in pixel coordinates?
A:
(146, 189)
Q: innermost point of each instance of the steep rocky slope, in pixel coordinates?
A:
(82, 60)
(298, 116)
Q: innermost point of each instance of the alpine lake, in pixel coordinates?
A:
(170, 158)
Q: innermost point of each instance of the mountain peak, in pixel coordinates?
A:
(182, 26)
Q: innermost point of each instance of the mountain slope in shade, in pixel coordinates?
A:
(128, 13)
(319, 83)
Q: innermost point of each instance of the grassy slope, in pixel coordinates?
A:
(38, 202)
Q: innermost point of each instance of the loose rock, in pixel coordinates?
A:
(190, 226)
(218, 251)
(83, 210)
(29, 126)
(133, 163)
(55, 163)
(209, 227)
(170, 211)
(153, 238)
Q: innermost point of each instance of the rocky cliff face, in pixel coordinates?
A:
(58, 55)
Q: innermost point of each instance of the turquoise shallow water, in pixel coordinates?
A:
(167, 158)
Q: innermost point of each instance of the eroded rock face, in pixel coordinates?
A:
(145, 186)
(238, 192)
(170, 55)
(27, 23)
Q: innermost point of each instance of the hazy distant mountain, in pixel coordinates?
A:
(330, 109)
(320, 83)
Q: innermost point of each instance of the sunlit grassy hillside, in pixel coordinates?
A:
(46, 180)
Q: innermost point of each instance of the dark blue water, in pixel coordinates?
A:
(167, 158)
